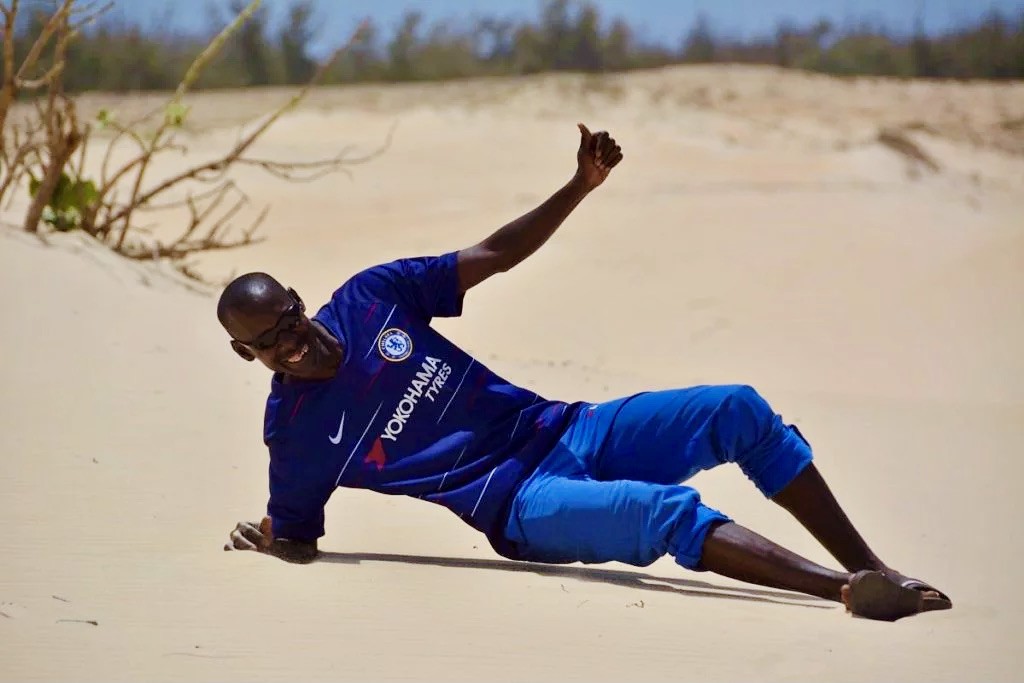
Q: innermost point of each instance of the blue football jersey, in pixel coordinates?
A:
(407, 413)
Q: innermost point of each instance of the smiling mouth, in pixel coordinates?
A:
(298, 355)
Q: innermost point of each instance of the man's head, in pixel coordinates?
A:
(267, 322)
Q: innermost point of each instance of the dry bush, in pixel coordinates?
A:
(49, 148)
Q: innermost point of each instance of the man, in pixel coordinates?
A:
(366, 394)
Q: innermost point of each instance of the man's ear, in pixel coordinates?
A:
(242, 351)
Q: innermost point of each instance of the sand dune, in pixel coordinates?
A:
(758, 231)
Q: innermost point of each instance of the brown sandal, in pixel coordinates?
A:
(873, 595)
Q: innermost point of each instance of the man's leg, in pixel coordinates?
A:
(558, 519)
(739, 553)
(668, 436)
(734, 551)
(809, 499)
(778, 460)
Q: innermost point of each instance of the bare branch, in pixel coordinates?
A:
(256, 225)
(46, 122)
(16, 164)
(121, 132)
(211, 51)
(106, 186)
(88, 13)
(181, 248)
(291, 104)
(63, 138)
(59, 59)
(219, 166)
(126, 214)
(193, 223)
(59, 124)
(191, 75)
(212, 236)
(10, 13)
(15, 169)
(46, 79)
(197, 66)
(85, 149)
(199, 216)
(177, 204)
(316, 169)
(186, 270)
(58, 17)
(180, 251)
(9, 90)
(51, 139)
(287, 174)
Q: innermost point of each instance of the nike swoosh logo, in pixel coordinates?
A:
(336, 439)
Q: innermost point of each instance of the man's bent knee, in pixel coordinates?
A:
(743, 421)
(752, 435)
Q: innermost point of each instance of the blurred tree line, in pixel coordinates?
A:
(568, 35)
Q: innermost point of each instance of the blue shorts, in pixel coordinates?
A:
(610, 490)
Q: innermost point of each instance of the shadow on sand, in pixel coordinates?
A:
(626, 579)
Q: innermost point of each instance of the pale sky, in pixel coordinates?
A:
(664, 21)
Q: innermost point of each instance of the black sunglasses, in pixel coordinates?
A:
(287, 322)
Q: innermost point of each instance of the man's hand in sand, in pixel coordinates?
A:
(258, 537)
(597, 156)
(250, 536)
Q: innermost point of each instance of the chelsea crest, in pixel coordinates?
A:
(394, 345)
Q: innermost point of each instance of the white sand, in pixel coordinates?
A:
(755, 233)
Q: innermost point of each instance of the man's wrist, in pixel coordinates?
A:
(578, 184)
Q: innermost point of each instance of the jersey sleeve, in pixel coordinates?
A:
(297, 500)
(427, 286)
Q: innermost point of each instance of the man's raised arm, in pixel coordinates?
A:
(598, 154)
